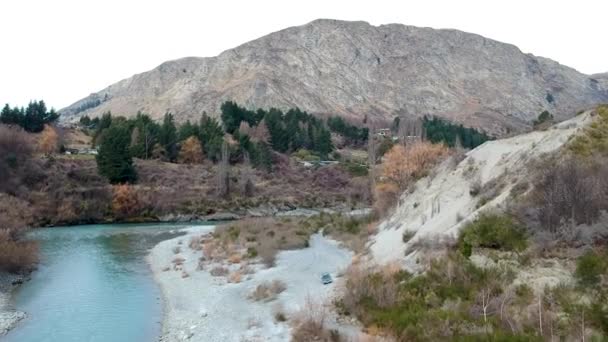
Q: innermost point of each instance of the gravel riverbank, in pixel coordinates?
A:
(202, 307)
(9, 317)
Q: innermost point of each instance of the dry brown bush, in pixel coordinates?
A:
(361, 284)
(235, 277)
(268, 291)
(260, 133)
(310, 324)
(14, 212)
(565, 205)
(15, 150)
(16, 256)
(234, 258)
(196, 243)
(219, 271)
(178, 260)
(386, 195)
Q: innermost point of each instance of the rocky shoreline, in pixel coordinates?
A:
(9, 317)
(266, 211)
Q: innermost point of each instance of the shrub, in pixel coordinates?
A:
(356, 169)
(251, 252)
(569, 189)
(310, 324)
(386, 195)
(279, 316)
(408, 235)
(219, 271)
(235, 277)
(543, 118)
(15, 150)
(306, 155)
(125, 201)
(268, 291)
(590, 268)
(16, 256)
(594, 139)
(492, 231)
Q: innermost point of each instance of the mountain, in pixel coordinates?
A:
(355, 69)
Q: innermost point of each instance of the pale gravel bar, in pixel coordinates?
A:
(206, 308)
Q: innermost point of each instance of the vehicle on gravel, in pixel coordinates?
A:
(326, 279)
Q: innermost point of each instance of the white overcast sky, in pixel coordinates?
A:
(62, 50)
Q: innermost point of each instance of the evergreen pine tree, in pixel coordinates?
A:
(168, 136)
(113, 159)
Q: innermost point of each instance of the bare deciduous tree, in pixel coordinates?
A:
(223, 172)
(246, 175)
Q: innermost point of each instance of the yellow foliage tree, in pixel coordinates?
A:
(125, 201)
(49, 140)
(191, 151)
(403, 164)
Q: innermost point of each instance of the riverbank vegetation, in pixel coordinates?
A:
(533, 269)
(482, 291)
(16, 255)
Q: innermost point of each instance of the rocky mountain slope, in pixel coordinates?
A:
(355, 69)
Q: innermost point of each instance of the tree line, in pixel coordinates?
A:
(31, 118)
(439, 130)
(287, 131)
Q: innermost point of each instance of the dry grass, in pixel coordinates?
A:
(268, 291)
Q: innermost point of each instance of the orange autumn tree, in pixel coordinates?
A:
(125, 201)
(49, 140)
(403, 165)
(191, 151)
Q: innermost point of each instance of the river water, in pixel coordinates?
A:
(93, 284)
